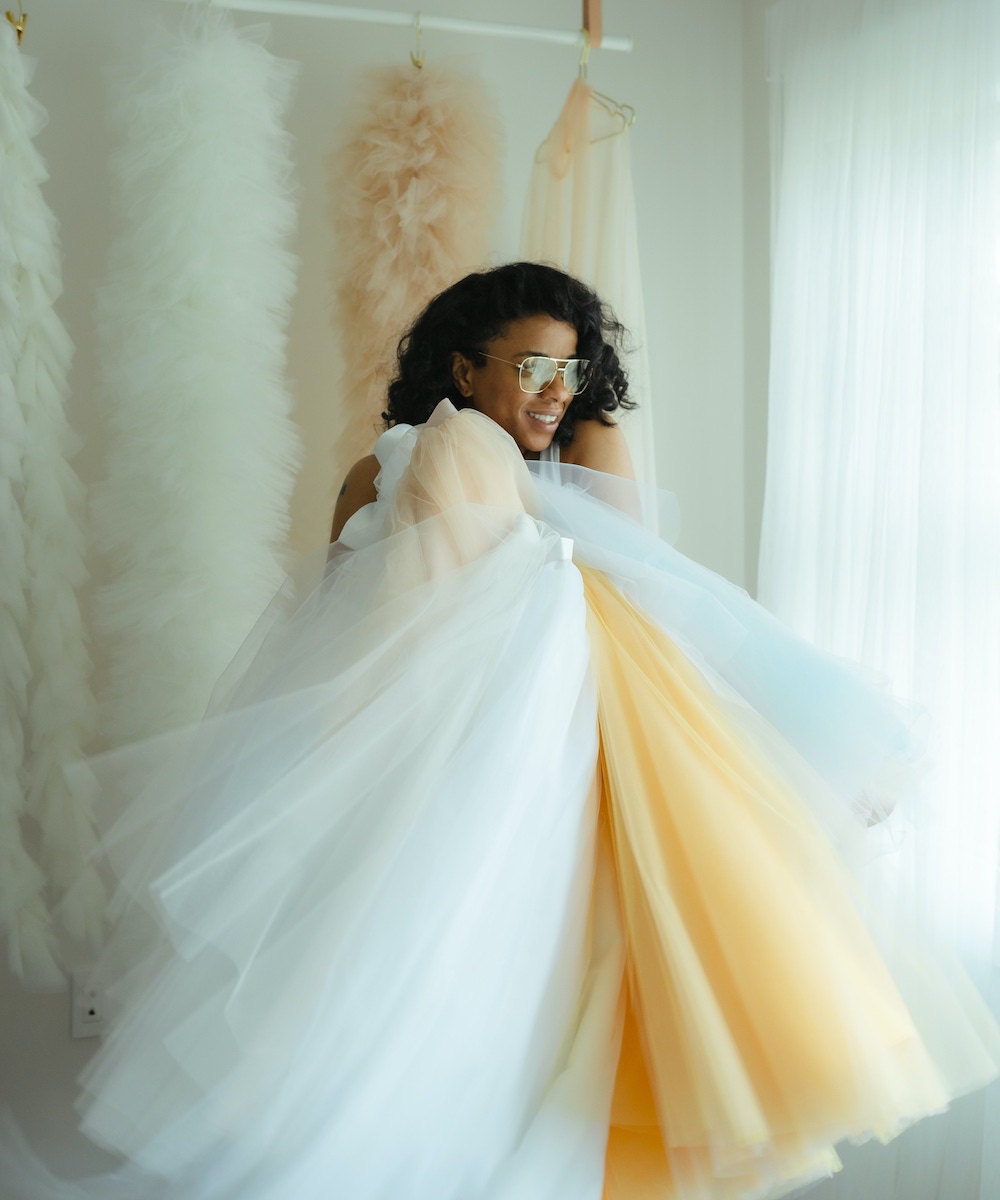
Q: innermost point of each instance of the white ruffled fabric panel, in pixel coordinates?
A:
(202, 452)
(377, 914)
(47, 719)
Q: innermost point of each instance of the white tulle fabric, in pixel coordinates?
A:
(47, 708)
(368, 938)
(201, 451)
(365, 934)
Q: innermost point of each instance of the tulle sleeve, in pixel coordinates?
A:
(464, 458)
(467, 476)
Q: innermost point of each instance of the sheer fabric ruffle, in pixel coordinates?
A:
(508, 828)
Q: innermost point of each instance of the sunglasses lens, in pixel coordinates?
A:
(537, 373)
(575, 375)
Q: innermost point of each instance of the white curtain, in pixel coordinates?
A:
(881, 536)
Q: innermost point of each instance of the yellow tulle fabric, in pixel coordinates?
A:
(762, 1025)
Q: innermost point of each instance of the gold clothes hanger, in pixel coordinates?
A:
(417, 53)
(624, 113)
(19, 21)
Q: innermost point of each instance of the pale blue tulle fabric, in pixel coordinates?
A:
(356, 950)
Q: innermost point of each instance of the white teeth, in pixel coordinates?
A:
(546, 418)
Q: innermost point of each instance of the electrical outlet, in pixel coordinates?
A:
(87, 1005)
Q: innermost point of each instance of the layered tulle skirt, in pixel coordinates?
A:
(514, 859)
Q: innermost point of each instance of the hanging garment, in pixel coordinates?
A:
(415, 192)
(511, 828)
(46, 714)
(202, 452)
(580, 215)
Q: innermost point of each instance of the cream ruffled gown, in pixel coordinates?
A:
(512, 862)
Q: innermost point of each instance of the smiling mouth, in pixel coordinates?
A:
(545, 418)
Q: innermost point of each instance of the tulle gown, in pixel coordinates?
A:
(513, 860)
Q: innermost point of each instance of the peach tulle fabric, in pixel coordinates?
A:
(415, 190)
(460, 474)
(762, 1026)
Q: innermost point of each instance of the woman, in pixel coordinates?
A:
(760, 898)
(509, 861)
(478, 345)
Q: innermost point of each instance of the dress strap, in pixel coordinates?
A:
(549, 460)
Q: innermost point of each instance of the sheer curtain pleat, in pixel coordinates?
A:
(882, 512)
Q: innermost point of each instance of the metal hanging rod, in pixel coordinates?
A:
(381, 16)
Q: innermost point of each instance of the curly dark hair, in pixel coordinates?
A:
(470, 313)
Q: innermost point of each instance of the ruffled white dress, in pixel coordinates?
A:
(512, 861)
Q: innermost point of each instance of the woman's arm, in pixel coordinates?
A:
(358, 490)
(599, 447)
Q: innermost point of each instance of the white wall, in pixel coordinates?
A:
(686, 79)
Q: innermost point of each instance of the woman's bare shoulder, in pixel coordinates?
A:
(358, 490)
(600, 447)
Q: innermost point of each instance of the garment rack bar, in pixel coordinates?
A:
(382, 16)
